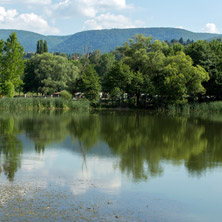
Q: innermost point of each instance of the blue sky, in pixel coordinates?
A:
(62, 17)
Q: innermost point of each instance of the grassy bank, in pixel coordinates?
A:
(42, 103)
(68, 104)
(211, 107)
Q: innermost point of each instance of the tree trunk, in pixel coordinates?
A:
(137, 99)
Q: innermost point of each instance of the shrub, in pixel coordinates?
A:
(65, 94)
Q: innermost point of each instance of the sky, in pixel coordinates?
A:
(64, 17)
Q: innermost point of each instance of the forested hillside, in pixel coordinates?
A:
(104, 40)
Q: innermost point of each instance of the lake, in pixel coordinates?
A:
(110, 166)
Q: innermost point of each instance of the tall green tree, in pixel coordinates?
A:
(45, 46)
(42, 47)
(12, 66)
(117, 81)
(209, 56)
(180, 80)
(90, 84)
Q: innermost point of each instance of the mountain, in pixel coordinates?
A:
(104, 40)
(29, 39)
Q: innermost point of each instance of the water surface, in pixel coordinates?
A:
(110, 166)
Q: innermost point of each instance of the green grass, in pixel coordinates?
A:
(41, 103)
(211, 107)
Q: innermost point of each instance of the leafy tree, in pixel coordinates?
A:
(12, 66)
(90, 84)
(209, 56)
(94, 57)
(180, 79)
(136, 56)
(65, 94)
(47, 74)
(175, 48)
(105, 64)
(118, 79)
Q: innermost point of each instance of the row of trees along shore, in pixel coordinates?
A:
(140, 72)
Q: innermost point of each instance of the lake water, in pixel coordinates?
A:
(110, 166)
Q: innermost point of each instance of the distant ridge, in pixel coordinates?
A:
(104, 40)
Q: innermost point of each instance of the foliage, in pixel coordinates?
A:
(42, 47)
(181, 79)
(48, 73)
(12, 66)
(209, 56)
(65, 94)
(90, 84)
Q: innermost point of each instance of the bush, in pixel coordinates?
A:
(65, 95)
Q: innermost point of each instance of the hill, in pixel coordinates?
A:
(105, 40)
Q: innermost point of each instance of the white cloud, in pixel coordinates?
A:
(210, 28)
(97, 14)
(35, 2)
(88, 8)
(11, 19)
(107, 21)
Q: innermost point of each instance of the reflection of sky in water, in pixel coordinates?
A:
(67, 169)
(179, 177)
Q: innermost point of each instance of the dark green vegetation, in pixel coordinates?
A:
(104, 40)
(42, 47)
(142, 73)
(11, 66)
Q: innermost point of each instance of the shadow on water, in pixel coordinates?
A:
(142, 142)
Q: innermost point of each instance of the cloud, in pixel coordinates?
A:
(35, 2)
(97, 14)
(107, 21)
(11, 19)
(210, 28)
(87, 8)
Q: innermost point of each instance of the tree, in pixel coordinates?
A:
(42, 47)
(94, 57)
(209, 56)
(12, 66)
(105, 64)
(117, 81)
(181, 41)
(45, 46)
(175, 48)
(90, 84)
(180, 79)
(48, 73)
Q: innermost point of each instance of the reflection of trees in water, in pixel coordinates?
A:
(10, 147)
(212, 157)
(85, 128)
(45, 129)
(142, 142)
(143, 146)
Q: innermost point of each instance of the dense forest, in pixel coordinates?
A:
(140, 72)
